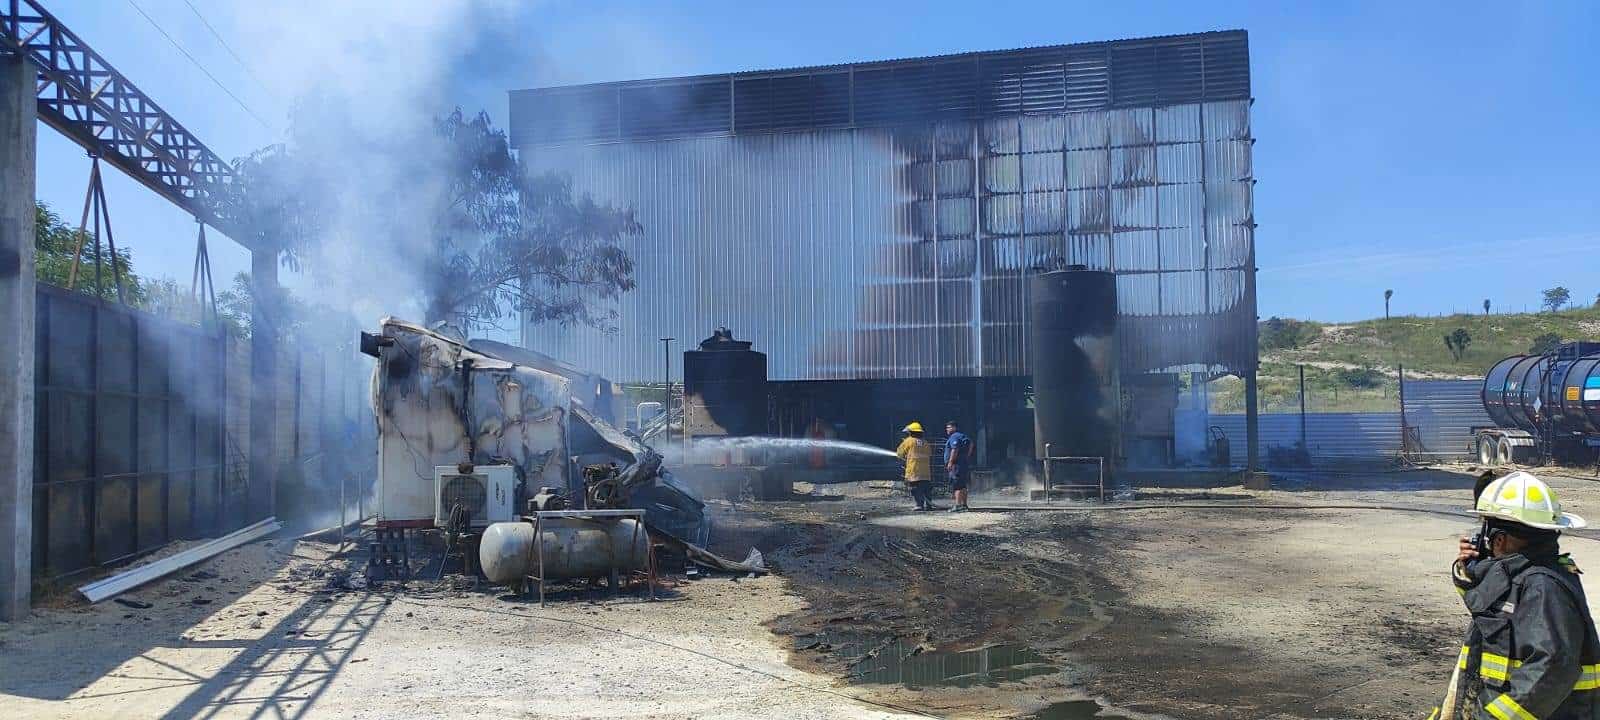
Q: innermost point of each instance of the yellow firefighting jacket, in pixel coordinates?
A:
(917, 455)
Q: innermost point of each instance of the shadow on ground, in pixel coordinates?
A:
(280, 642)
(284, 672)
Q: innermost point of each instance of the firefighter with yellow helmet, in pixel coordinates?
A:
(1531, 652)
(915, 452)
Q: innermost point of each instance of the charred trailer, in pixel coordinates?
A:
(1545, 408)
(470, 425)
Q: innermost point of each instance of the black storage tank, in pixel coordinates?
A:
(725, 383)
(1562, 387)
(1072, 316)
(1581, 394)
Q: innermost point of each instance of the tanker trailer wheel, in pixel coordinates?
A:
(1502, 451)
(1486, 451)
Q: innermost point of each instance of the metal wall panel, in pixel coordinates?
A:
(901, 252)
(1163, 71)
(1329, 436)
(1445, 413)
(128, 448)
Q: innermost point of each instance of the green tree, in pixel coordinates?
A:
(1457, 341)
(1544, 343)
(168, 298)
(55, 243)
(1286, 333)
(498, 242)
(1363, 378)
(1556, 298)
(1486, 306)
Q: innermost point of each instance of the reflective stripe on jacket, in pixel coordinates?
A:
(1532, 648)
(917, 456)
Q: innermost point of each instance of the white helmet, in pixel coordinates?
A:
(1522, 498)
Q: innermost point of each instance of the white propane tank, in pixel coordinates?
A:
(573, 548)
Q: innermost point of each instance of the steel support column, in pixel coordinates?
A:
(1252, 424)
(265, 319)
(18, 137)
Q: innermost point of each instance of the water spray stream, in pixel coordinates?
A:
(714, 450)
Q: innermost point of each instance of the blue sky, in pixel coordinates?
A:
(1446, 151)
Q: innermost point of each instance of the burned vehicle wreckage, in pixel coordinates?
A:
(532, 433)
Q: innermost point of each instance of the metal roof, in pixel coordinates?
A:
(1143, 72)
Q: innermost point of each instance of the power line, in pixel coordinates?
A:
(225, 46)
(197, 64)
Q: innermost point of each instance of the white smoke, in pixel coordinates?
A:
(363, 83)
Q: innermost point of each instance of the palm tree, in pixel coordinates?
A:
(1386, 295)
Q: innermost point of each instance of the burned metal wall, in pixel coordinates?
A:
(846, 248)
(129, 448)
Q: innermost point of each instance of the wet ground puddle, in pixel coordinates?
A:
(879, 661)
(1073, 710)
(912, 665)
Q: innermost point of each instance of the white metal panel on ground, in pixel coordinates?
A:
(122, 582)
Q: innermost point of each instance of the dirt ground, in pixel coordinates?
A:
(1179, 604)
(304, 644)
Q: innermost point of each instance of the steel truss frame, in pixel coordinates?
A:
(84, 98)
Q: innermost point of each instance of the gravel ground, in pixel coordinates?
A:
(1156, 612)
(283, 635)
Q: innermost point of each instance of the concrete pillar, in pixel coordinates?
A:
(265, 320)
(18, 135)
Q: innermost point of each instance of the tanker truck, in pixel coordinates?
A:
(1545, 408)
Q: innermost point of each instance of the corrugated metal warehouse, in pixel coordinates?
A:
(877, 221)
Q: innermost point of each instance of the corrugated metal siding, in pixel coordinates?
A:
(902, 252)
(1170, 70)
(1329, 436)
(1445, 412)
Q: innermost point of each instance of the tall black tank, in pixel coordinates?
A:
(1072, 316)
(725, 383)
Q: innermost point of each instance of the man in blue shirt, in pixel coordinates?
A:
(958, 454)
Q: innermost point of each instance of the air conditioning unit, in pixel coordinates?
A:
(488, 493)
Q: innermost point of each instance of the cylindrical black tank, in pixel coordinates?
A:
(1072, 316)
(726, 386)
(1578, 396)
(1511, 391)
(1562, 387)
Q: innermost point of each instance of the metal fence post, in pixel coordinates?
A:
(1047, 455)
